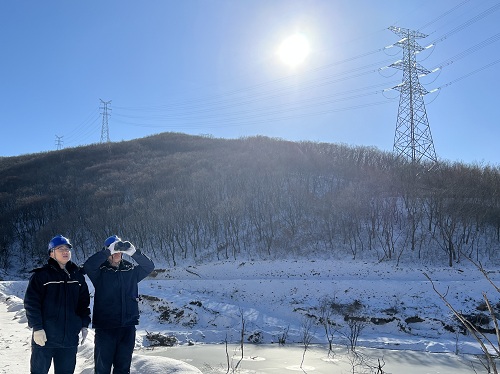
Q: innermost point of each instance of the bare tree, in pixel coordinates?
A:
(325, 314)
(355, 325)
(307, 336)
(229, 360)
(283, 337)
(490, 349)
(362, 363)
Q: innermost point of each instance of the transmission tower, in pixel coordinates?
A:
(59, 142)
(413, 139)
(105, 127)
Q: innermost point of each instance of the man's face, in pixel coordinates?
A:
(115, 259)
(62, 254)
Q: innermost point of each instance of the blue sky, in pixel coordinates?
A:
(210, 67)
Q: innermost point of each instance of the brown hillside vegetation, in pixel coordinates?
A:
(189, 198)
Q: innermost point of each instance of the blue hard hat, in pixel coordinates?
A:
(57, 241)
(111, 240)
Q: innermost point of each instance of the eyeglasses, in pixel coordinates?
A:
(62, 249)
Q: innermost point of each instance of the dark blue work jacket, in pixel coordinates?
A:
(57, 300)
(116, 297)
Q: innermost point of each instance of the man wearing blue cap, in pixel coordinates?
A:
(57, 308)
(116, 303)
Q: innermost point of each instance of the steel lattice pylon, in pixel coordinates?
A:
(105, 127)
(412, 139)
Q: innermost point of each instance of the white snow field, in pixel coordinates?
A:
(201, 307)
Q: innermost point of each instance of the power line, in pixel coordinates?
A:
(467, 23)
(443, 15)
(466, 75)
(468, 51)
(267, 101)
(203, 109)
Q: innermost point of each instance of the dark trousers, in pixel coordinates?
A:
(114, 347)
(41, 359)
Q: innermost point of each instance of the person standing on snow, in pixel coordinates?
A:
(57, 308)
(116, 303)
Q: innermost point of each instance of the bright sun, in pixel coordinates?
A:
(294, 50)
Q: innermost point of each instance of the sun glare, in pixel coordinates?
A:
(294, 50)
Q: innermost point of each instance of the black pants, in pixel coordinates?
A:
(41, 359)
(114, 347)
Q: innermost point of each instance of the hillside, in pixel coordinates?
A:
(191, 199)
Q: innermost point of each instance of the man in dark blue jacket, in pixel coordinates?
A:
(116, 303)
(57, 308)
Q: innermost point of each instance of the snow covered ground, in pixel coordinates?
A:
(208, 304)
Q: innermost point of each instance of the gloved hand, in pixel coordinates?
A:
(39, 337)
(112, 248)
(131, 250)
(85, 332)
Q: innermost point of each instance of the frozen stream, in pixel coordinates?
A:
(273, 359)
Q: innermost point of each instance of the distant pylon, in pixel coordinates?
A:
(59, 142)
(105, 127)
(413, 139)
